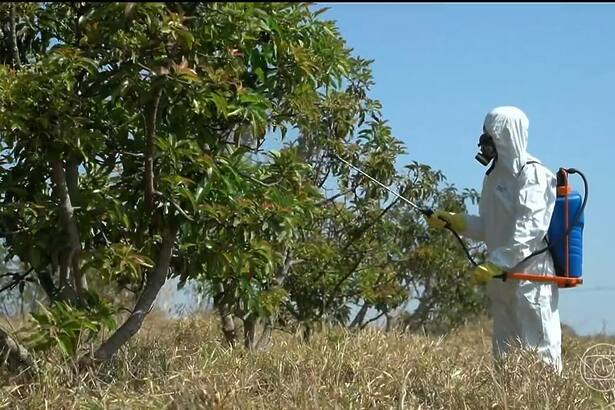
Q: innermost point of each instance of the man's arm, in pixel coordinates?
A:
(474, 228)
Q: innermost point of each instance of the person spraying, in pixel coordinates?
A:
(516, 205)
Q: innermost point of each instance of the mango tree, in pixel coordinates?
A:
(133, 139)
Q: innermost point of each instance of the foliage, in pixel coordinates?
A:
(68, 328)
(132, 139)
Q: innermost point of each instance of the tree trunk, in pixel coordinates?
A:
(360, 317)
(13, 34)
(151, 114)
(46, 282)
(389, 322)
(418, 318)
(226, 317)
(155, 280)
(12, 354)
(375, 318)
(307, 332)
(282, 273)
(228, 324)
(249, 332)
(70, 258)
(265, 338)
(72, 181)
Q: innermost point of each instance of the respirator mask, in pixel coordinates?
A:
(487, 149)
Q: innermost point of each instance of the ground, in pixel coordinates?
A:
(184, 364)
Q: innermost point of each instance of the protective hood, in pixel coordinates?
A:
(508, 127)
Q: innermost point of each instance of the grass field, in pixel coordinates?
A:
(183, 364)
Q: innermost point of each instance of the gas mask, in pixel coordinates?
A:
(487, 149)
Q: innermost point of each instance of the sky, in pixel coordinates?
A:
(440, 68)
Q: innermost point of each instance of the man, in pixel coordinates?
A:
(515, 209)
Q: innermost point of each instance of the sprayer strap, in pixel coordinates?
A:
(546, 239)
(528, 163)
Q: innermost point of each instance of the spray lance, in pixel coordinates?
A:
(425, 211)
(564, 239)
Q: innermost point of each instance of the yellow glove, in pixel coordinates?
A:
(485, 272)
(438, 220)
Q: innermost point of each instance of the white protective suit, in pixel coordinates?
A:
(515, 210)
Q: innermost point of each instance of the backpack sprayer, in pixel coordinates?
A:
(564, 237)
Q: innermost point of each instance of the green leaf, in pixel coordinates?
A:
(260, 74)
(187, 73)
(35, 257)
(87, 63)
(186, 37)
(220, 103)
(320, 11)
(66, 345)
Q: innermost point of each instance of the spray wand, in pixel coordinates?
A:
(425, 211)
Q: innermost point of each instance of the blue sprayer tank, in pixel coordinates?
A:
(567, 251)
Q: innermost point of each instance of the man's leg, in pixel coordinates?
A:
(502, 309)
(540, 328)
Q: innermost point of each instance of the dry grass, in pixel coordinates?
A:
(183, 364)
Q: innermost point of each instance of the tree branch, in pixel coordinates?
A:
(364, 325)
(355, 237)
(358, 234)
(72, 179)
(151, 114)
(338, 285)
(72, 256)
(368, 225)
(13, 34)
(12, 353)
(334, 197)
(155, 280)
(282, 272)
(17, 278)
(46, 282)
(360, 317)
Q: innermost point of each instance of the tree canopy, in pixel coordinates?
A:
(143, 141)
